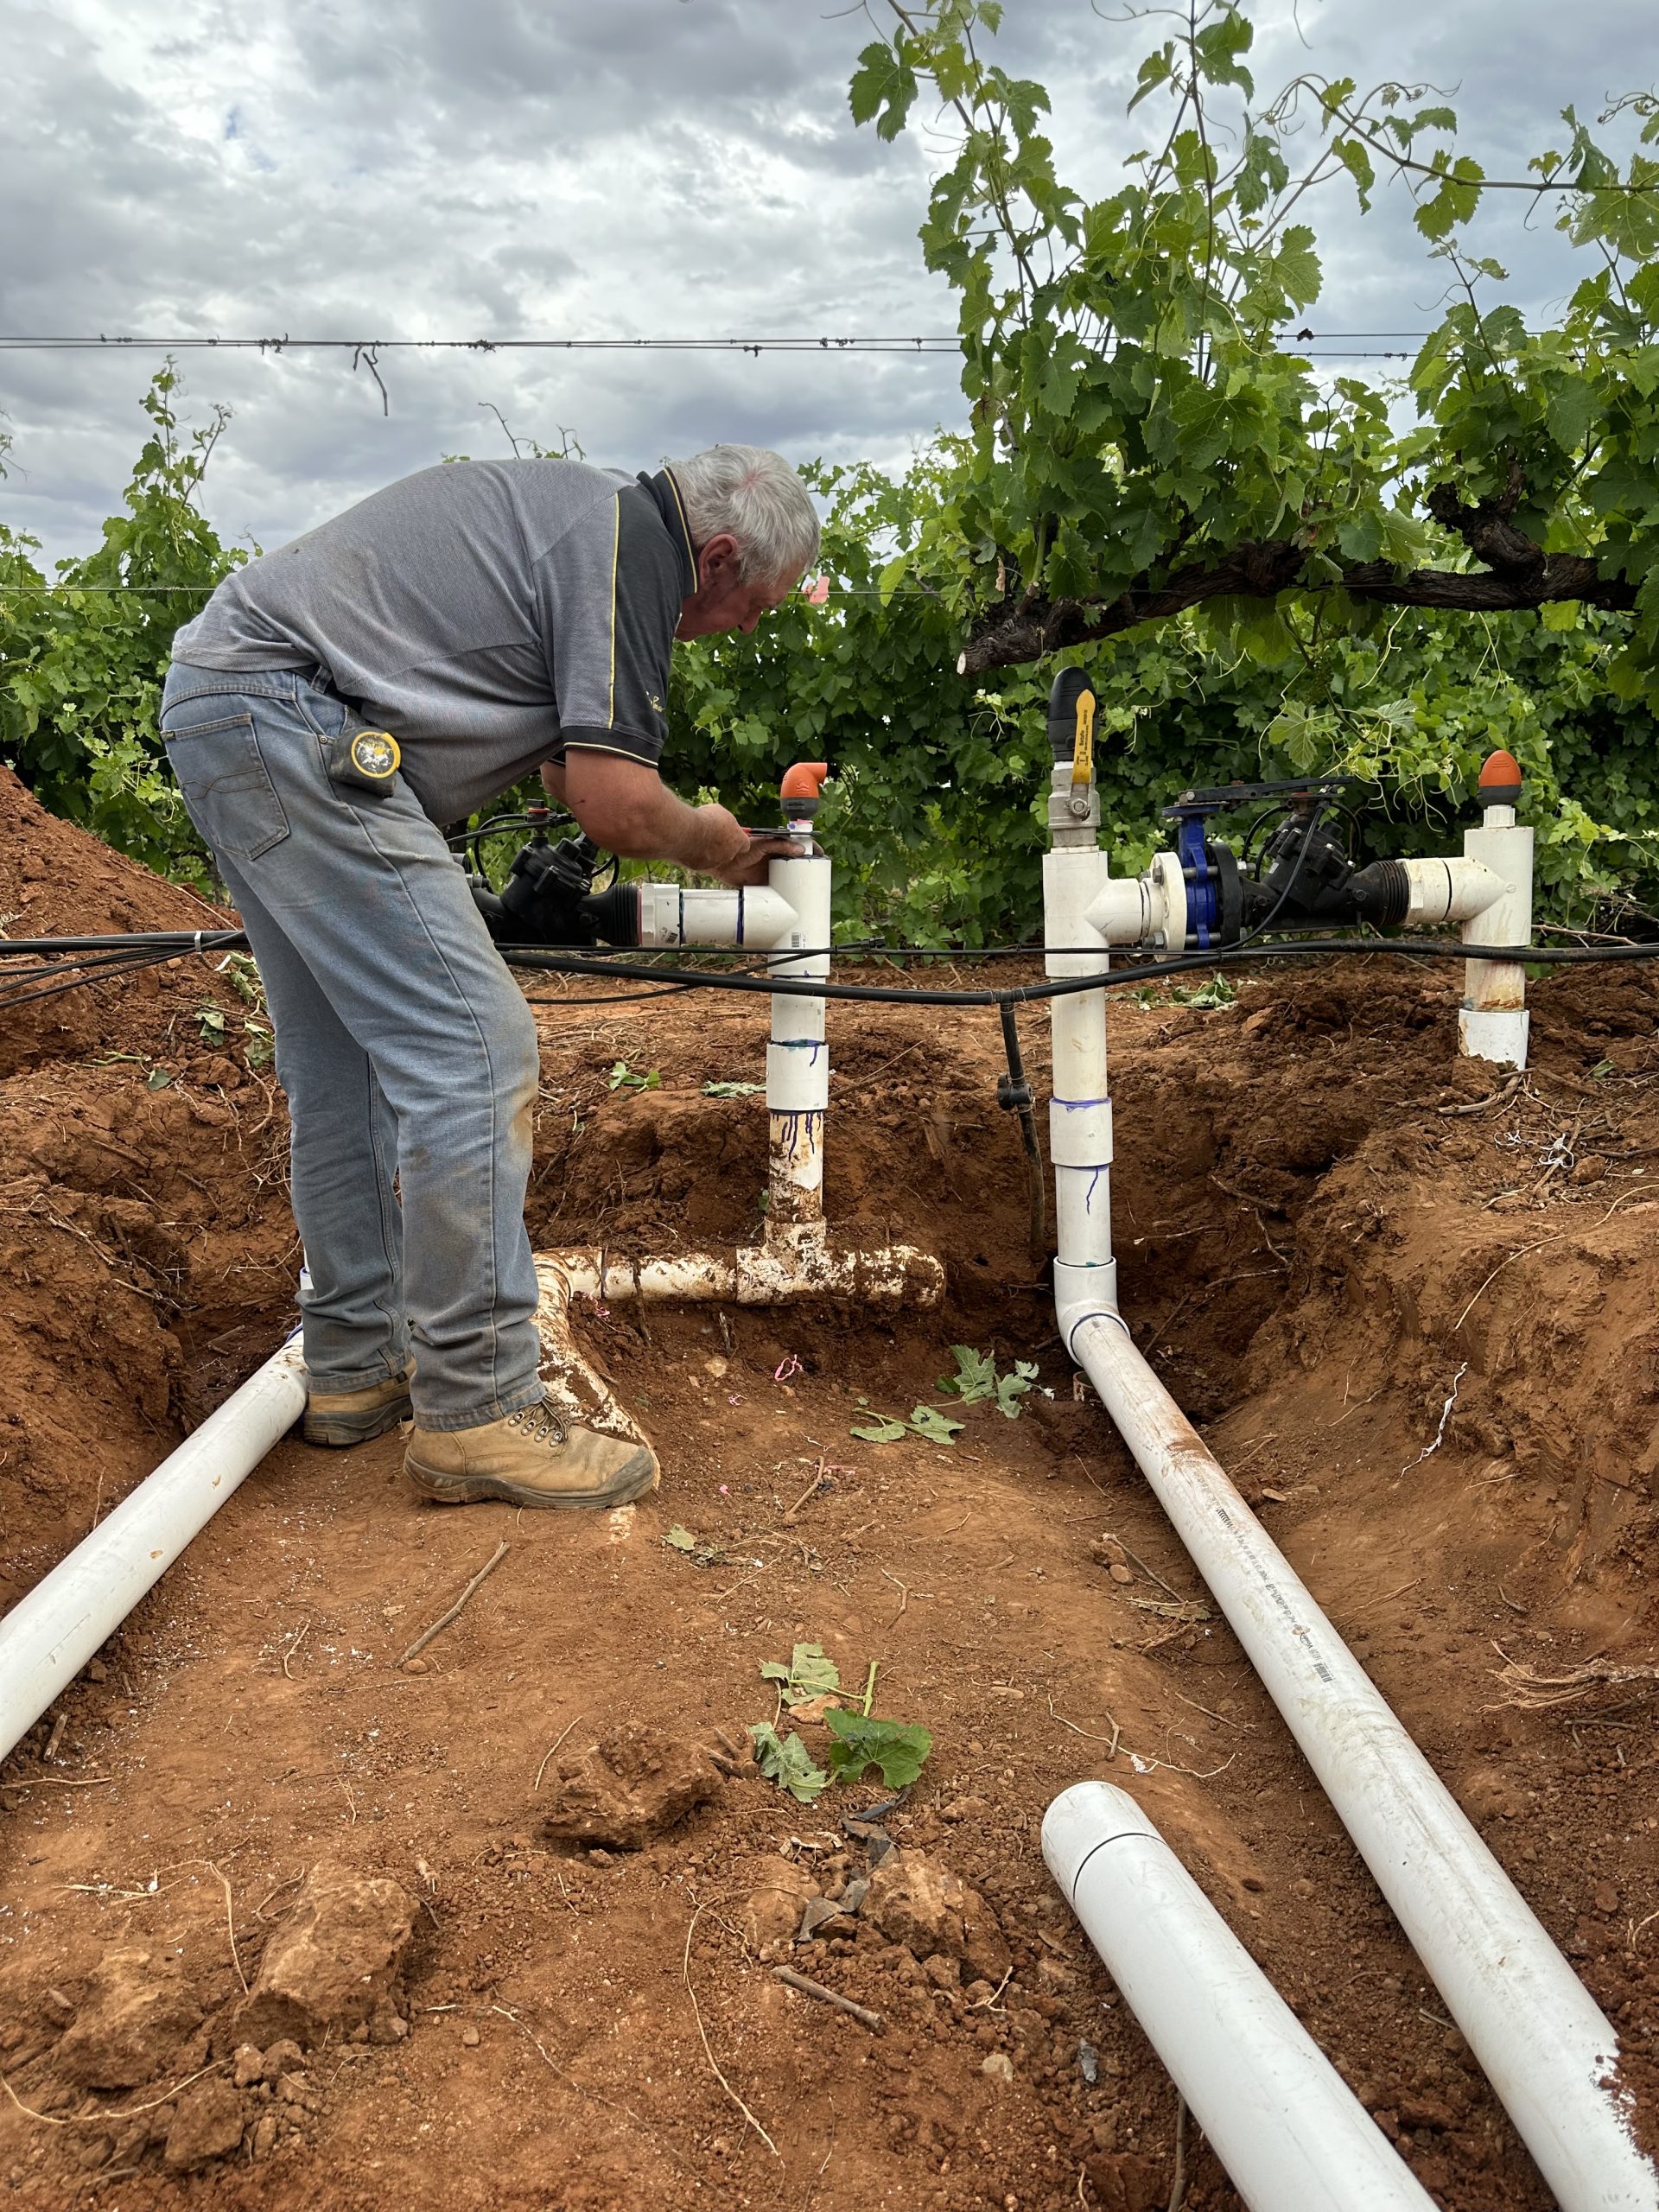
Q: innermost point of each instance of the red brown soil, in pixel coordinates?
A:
(1324, 1220)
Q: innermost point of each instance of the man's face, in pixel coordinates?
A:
(722, 600)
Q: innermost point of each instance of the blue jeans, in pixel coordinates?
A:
(402, 1043)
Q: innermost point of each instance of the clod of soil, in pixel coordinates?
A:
(136, 2011)
(782, 1890)
(918, 1902)
(333, 1962)
(631, 1786)
(207, 2124)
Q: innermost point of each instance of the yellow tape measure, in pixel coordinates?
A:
(375, 753)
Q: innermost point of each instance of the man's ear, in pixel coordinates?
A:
(717, 559)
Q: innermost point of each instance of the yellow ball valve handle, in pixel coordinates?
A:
(1083, 743)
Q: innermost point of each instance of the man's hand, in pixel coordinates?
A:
(751, 865)
(626, 808)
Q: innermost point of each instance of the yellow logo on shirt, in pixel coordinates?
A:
(656, 703)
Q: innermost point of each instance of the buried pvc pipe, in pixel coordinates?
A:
(47, 1637)
(1292, 2135)
(784, 1269)
(1548, 2051)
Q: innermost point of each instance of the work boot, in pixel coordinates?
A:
(532, 1458)
(342, 1417)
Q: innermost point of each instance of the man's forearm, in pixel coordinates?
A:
(626, 808)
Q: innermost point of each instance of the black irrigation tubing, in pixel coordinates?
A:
(159, 945)
(1133, 972)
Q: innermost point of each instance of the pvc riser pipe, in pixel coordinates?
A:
(797, 1077)
(1291, 2134)
(47, 1637)
(1492, 1023)
(1083, 1214)
(1080, 1131)
(1548, 2050)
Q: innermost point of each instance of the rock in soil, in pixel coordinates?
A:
(207, 2124)
(334, 1959)
(780, 1891)
(917, 1901)
(137, 2011)
(633, 1785)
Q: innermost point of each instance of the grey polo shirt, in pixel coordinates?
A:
(490, 613)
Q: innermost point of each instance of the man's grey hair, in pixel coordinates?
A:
(755, 497)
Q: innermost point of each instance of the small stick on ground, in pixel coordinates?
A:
(49, 1755)
(703, 2033)
(1178, 2187)
(444, 1619)
(103, 2119)
(820, 1481)
(294, 1642)
(1111, 1742)
(542, 1770)
(808, 1987)
(56, 1782)
(230, 1923)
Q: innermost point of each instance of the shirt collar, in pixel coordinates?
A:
(672, 507)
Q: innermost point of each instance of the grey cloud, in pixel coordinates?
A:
(588, 165)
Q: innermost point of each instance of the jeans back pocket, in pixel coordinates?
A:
(226, 787)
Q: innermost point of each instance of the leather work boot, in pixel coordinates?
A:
(532, 1458)
(342, 1417)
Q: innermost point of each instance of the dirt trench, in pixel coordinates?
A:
(1410, 1303)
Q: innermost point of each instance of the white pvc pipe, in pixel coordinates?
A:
(1451, 890)
(47, 1637)
(672, 914)
(1493, 1020)
(1292, 2135)
(798, 1059)
(785, 1267)
(1079, 1114)
(1545, 2046)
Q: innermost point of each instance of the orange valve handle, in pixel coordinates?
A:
(803, 779)
(1500, 780)
(800, 789)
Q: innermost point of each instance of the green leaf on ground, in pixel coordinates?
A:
(879, 1431)
(160, 1079)
(937, 1428)
(975, 1374)
(623, 1078)
(808, 1675)
(681, 1539)
(898, 1748)
(1011, 1389)
(786, 1760)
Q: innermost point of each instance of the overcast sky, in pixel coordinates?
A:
(499, 169)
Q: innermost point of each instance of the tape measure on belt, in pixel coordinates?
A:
(375, 753)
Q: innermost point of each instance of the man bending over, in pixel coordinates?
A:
(497, 617)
